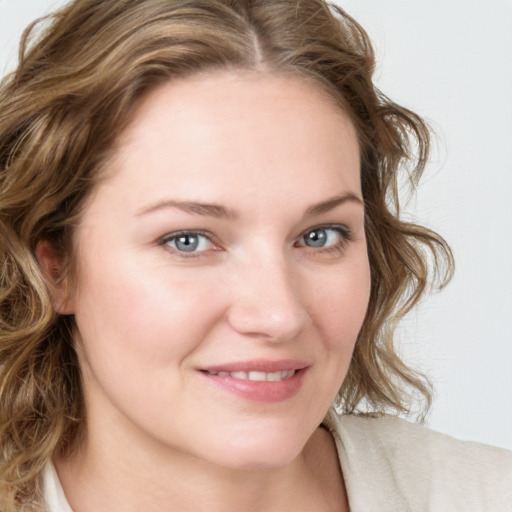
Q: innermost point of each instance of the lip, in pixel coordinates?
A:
(258, 365)
(259, 391)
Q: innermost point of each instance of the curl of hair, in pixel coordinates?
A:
(61, 112)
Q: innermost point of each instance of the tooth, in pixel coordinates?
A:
(259, 376)
(239, 375)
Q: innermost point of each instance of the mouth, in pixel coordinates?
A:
(259, 381)
(256, 376)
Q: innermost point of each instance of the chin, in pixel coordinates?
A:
(259, 451)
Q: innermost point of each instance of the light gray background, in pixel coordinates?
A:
(451, 61)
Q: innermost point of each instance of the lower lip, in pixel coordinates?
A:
(260, 391)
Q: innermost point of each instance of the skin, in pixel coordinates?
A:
(160, 434)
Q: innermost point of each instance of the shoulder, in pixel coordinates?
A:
(406, 440)
(422, 469)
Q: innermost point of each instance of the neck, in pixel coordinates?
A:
(121, 480)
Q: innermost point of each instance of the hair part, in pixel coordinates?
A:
(61, 113)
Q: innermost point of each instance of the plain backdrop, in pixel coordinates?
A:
(450, 61)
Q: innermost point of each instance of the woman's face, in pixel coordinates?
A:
(222, 272)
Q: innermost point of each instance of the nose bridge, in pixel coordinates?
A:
(267, 300)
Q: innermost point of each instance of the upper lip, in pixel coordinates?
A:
(258, 365)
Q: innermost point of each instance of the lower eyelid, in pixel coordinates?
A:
(172, 237)
(344, 233)
(345, 236)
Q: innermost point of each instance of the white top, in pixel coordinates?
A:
(391, 465)
(53, 493)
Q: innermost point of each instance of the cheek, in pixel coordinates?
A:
(132, 311)
(340, 306)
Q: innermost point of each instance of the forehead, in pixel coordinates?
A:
(219, 132)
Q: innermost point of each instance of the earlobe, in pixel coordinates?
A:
(52, 265)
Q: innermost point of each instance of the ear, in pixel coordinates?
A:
(52, 265)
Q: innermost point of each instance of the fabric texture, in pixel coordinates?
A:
(392, 465)
(53, 493)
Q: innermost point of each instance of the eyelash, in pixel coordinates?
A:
(183, 254)
(343, 231)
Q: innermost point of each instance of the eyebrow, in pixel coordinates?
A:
(218, 211)
(205, 209)
(333, 202)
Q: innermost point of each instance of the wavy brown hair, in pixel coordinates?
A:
(61, 112)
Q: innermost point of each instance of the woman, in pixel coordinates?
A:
(202, 266)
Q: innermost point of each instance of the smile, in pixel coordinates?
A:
(259, 381)
(257, 376)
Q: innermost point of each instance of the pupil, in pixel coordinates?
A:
(316, 238)
(187, 243)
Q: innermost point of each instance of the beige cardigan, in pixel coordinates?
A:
(391, 465)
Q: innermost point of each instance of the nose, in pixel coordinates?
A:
(266, 302)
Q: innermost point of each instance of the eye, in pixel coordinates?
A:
(188, 242)
(325, 237)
